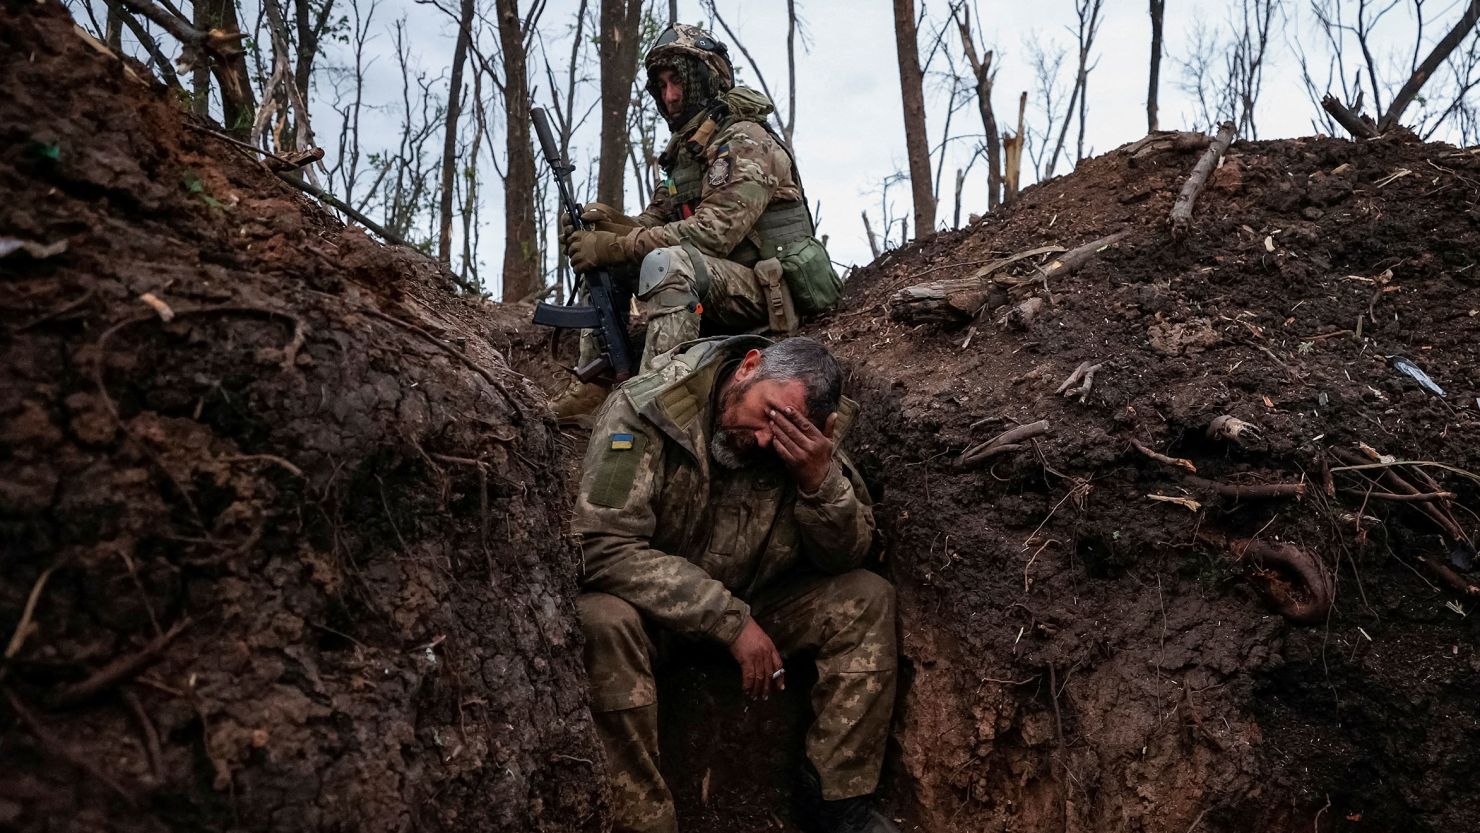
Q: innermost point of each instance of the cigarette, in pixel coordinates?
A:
(778, 673)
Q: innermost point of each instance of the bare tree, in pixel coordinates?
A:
(1087, 13)
(218, 47)
(1348, 28)
(911, 83)
(1158, 16)
(1046, 68)
(449, 136)
(985, 75)
(521, 271)
(617, 46)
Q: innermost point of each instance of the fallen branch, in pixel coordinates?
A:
(1071, 261)
(960, 299)
(119, 669)
(1007, 441)
(1449, 578)
(1181, 217)
(1355, 123)
(1252, 490)
(1162, 458)
(1163, 141)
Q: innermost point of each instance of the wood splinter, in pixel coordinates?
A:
(1083, 377)
(1006, 442)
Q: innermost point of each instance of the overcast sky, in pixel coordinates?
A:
(849, 125)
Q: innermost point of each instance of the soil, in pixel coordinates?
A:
(1087, 658)
(283, 528)
(283, 533)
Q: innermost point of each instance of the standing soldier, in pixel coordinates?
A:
(715, 506)
(728, 235)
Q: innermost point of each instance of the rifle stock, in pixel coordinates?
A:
(607, 312)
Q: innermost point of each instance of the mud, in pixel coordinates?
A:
(1084, 657)
(283, 534)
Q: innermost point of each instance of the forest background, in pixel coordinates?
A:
(421, 106)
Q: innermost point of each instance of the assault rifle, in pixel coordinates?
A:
(607, 314)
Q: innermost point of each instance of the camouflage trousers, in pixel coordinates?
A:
(728, 294)
(849, 620)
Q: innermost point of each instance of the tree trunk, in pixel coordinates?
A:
(912, 91)
(521, 275)
(449, 141)
(1012, 149)
(1158, 14)
(617, 46)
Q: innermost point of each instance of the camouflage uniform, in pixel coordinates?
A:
(730, 198)
(674, 543)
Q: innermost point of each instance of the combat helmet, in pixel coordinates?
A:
(701, 61)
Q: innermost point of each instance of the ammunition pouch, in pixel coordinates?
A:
(784, 233)
(780, 310)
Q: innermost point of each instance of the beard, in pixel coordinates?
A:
(733, 449)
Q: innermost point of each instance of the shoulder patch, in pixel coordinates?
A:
(719, 172)
(616, 470)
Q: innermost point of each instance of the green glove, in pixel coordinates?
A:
(593, 249)
(599, 216)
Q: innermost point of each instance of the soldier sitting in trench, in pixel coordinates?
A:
(728, 235)
(715, 505)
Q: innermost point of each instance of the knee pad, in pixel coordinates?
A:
(666, 279)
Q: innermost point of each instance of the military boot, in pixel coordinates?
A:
(853, 815)
(844, 815)
(578, 402)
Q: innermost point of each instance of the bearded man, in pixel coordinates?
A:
(728, 239)
(715, 506)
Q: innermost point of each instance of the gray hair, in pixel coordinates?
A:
(805, 360)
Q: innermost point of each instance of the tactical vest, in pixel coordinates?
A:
(783, 221)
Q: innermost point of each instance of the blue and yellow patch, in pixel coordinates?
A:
(621, 442)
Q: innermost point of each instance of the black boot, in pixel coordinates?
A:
(854, 815)
(845, 815)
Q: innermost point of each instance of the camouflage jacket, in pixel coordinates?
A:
(713, 199)
(686, 541)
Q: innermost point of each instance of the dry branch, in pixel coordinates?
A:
(959, 299)
(1162, 458)
(1080, 381)
(1253, 490)
(1355, 123)
(1074, 259)
(1182, 210)
(1164, 141)
(1007, 441)
(1437, 56)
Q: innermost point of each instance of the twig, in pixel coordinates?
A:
(237, 142)
(1162, 458)
(1084, 377)
(119, 669)
(1407, 498)
(151, 734)
(23, 628)
(1181, 217)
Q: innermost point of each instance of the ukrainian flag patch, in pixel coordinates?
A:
(621, 442)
